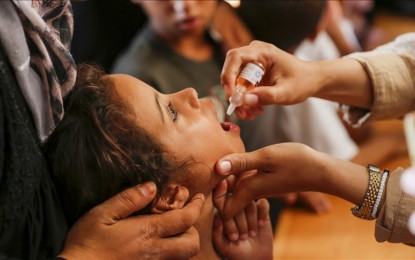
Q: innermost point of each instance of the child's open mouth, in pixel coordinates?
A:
(230, 127)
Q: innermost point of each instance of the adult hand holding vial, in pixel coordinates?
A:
(283, 83)
(249, 78)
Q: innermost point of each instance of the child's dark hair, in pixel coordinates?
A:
(98, 149)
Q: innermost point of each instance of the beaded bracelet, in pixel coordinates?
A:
(364, 210)
(380, 193)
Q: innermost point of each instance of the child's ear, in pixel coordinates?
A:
(174, 196)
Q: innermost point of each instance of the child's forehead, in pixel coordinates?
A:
(124, 80)
(131, 89)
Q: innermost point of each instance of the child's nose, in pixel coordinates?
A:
(191, 97)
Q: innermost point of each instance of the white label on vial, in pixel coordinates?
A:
(252, 73)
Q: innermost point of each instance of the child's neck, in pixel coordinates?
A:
(204, 226)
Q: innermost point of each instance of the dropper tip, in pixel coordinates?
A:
(230, 110)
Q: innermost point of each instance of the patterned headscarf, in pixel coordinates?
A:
(36, 36)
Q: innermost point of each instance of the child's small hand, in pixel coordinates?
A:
(242, 224)
(246, 236)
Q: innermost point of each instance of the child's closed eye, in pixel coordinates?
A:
(173, 112)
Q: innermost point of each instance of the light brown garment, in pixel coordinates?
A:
(392, 223)
(391, 69)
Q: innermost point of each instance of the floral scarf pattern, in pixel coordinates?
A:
(48, 70)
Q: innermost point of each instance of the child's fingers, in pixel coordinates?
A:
(252, 218)
(263, 211)
(218, 238)
(219, 195)
(242, 224)
(265, 234)
(231, 230)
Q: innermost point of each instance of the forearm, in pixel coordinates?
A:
(344, 81)
(341, 178)
(382, 80)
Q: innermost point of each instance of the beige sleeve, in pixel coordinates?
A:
(392, 222)
(392, 75)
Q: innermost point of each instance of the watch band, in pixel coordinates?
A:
(364, 210)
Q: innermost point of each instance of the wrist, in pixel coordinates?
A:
(325, 81)
(323, 174)
(314, 78)
(315, 173)
(341, 178)
(344, 81)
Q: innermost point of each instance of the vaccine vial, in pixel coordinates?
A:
(249, 78)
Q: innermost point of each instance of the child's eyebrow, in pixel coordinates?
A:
(156, 97)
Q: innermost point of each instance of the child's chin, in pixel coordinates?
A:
(240, 148)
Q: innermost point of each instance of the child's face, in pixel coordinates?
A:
(185, 125)
(170, 17)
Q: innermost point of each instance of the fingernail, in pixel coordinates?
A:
(252, 233)
(261, 223)
(147, 188)
(225, 167)
(251, 99)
